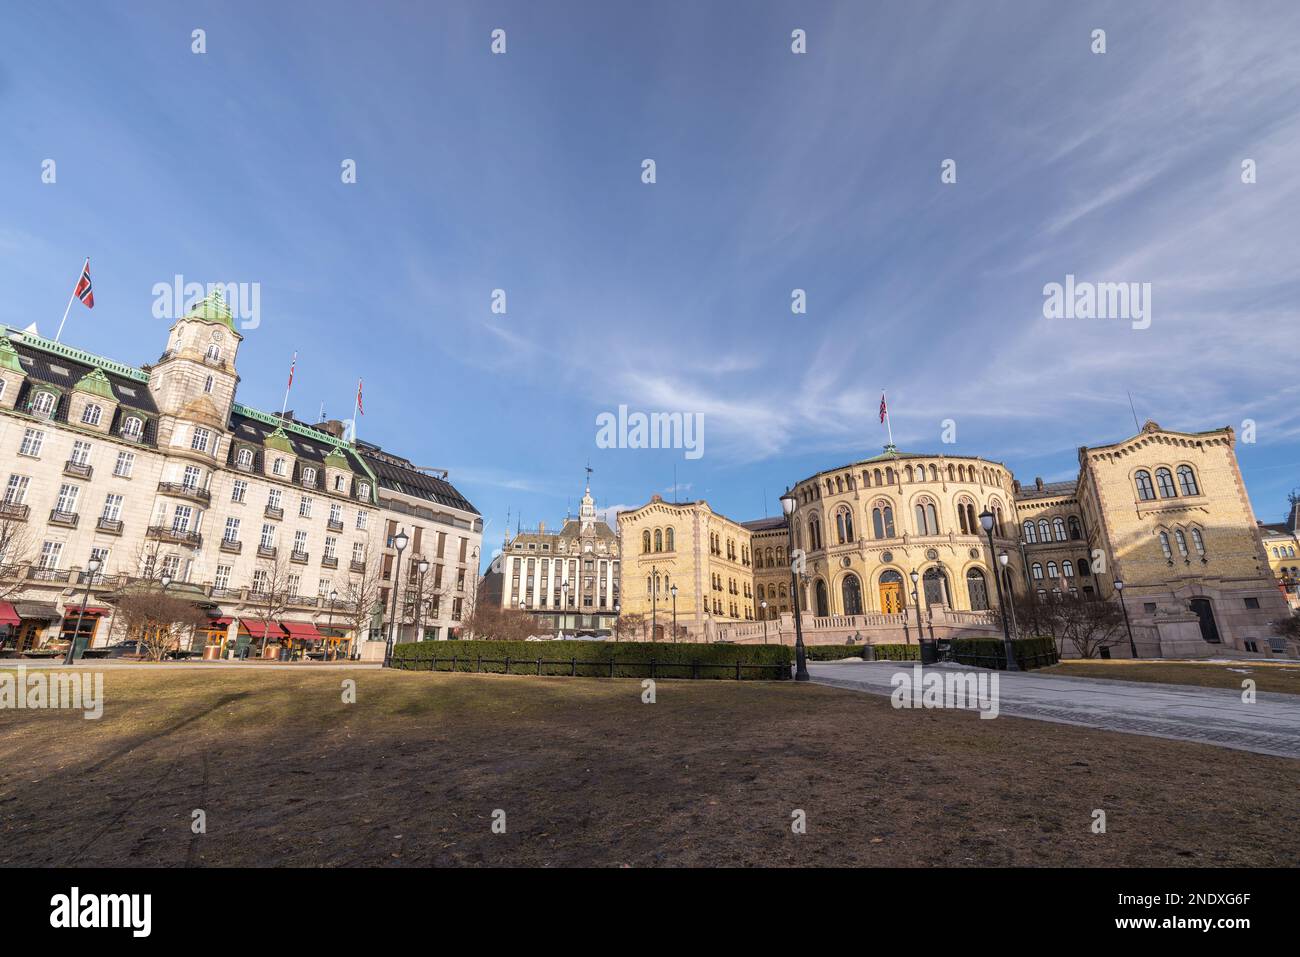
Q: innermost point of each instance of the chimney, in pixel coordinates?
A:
(1015, 486)
(334, 427)
(541, 528)
(1038, 482)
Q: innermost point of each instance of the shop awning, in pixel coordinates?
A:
(259, 630)
(36, 611)
(301, 630)
(8, 616)
(214, 623)
(72, 611)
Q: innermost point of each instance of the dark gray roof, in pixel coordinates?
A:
(399, 475)
(1048, 490)
(765, 524)
(249, 431)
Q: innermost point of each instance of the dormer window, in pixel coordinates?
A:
(363, 490)
(91, 414)
(340, 483)
(308, 476)
(214, 353)
(132, 427)
(43, 404)
(244, 459)
(277, 468)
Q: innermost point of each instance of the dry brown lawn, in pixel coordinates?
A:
(588, 775)
(1268, 676)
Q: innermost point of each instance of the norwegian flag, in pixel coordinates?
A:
(360, 407)
(293, 362)
(84, 291)
(884, 410)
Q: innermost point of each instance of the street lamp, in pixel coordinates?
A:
(916, 603)
(763, 611)
(618, 611)
(986, 522)
(400, 541)
(788, 503)
(1003, 558)
(334, 596)
(92, 569)
(564, 603)
(421, 566)
(673, 589)
(654, 603)
(1132, 645)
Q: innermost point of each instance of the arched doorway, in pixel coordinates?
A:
(1204, 610)
(936, 587)
(977, 590)
(891, 592)
(823, 605)
(851, 593)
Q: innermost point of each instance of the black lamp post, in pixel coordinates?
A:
(1132, 645)
(788, 503)
(399, 542)
(673, 590)
(916, 602)
(763, 611)
(986, 522)
(654, 603)
(1003, 558)
(92, 570)
(421, 566)
(334, 596)
(564, 604)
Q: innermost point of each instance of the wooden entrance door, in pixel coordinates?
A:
(891, 597)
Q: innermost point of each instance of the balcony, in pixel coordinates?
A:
(78, 469)
(297, 556)
(357, 567)
(266, 551)
(66, 519)
(329, 561)
(111, 525)
(334, 526)
(49, 574)
(181, 490)
(273, 511)
(232, 545)
(176, 536)
(14, 510)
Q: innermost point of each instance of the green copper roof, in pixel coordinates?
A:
(96, 383)
(336, 459)
(279, 440)
(213, 308)
(9, 356)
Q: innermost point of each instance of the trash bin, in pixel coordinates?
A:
(929, 654)
(869, 652)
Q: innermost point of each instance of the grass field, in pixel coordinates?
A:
(1284, 678)
(589, 775)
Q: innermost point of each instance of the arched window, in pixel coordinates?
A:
(1165, 483)
(668, 540)
(961, 519)
(1187, 479)
(1075, 530)
(1199, 543)
(214, 353)
(814, 534)
(659, 540)
(934, 474)
(875, 475)
(823, 605)
(1044, 530)
(91, 414)
(1058, 525)
(645, 540)
(1067, 568)
(1030, 537)
(1144, 489)
(889, 474)
(43, 403)
(1085, 567)
(1164, 546)
(278, 467)
(971, 520)
(851, 594)
(1181, 539)
(882, 521)
(997, 519)
(1051, 569)
(244, 458)
(952, 472)
(844, 524)
(132, 426)
(936, 587)
(1037, 571)
(907, 473)
(926, 521)
(977, 590)
(309, 476)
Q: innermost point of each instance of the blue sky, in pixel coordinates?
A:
(775, 171)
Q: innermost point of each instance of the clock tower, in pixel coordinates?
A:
(194, 381)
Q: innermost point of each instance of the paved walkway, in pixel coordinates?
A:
(1207, 715)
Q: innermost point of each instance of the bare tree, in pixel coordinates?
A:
(16, 553)
(1288, 627)
(156, 618)
(360, 595)
(492, 622)
(1088, 624)
(270, 593)
(630, 623)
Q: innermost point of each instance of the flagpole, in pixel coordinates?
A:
(356, 405)
(888, 425)
(284, 406)
(70, 298)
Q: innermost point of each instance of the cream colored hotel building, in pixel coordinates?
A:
(158, 471)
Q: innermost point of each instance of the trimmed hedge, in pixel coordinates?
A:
(898, 652)
(988, 652)
(833, 652)
(599, 659)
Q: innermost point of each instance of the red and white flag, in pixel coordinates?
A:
(360, 408)
(84, 291)
(293, 362)
(884, 409)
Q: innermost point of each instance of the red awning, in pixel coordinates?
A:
(214, 623)
(302, 630)
(7, 614)
(258, 630)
